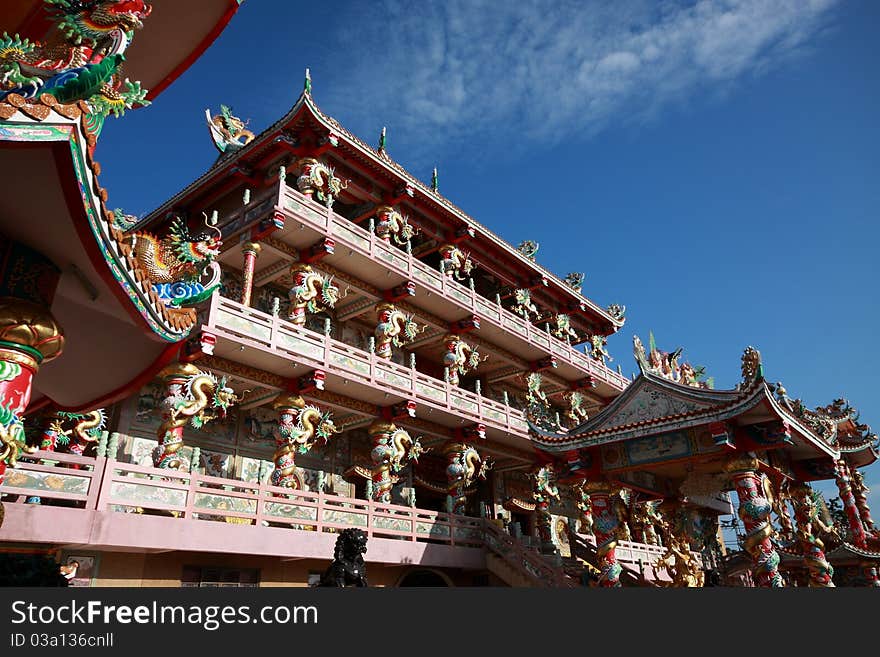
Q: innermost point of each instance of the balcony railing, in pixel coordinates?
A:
(229, 319)
(349, 235)
(108, 485)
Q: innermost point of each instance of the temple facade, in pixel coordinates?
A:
(309, 338)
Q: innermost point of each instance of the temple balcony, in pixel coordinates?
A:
(270, 344)
(298, 224)
(102, 504)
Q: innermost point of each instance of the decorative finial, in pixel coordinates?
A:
(307, 85)
(434, 180)
(382, 141)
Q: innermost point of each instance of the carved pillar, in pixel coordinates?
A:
(754, 510)
(605, 528)
(175, 378)
(250, 250)
(456, 476)
(860, 492)
(392, 449)
(288, 407)
(806, 514)
(856, 528)
(29, 336)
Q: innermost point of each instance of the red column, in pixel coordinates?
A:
(605, 528)
(856, 528)
(860, 492)
(29, 336)
(289, 407)
(250, 250)
(176, 377)
(754, 510)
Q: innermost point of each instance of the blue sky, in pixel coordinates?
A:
(714, 166)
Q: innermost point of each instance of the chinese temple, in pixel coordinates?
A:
(308, 338)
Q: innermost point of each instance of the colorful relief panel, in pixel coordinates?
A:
(650, 449)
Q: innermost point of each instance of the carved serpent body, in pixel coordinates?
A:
(392, 449)
(176, 257)
(394, 225)
(298, 432)
(87, 430)
(454, 262)
(310, 292)
(394, 328)
(464, 467)
(459, 359)
(187, 400)
(317, 178)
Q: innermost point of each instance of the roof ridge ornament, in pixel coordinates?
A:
(435, 184)
(307, 83)
(752, 368)
(383, 140)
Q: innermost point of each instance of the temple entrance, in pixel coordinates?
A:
(423, 578)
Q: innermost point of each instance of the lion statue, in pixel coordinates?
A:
(348, 567)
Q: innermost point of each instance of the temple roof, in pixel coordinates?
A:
(653, 404)
(379, 164)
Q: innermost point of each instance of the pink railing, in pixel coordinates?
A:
(72, 479)
(230, 319)
(108, 485)
(196, 497)
(349, 235)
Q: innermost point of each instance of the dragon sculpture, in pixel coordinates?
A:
(193, 397)
(318, 179)
(393, 448)
(529, 249)
(460, 358)
(228, 132)
(534, 394)
(860, 493)
(752, 369)
(597, 348)
(12, 440)
(562, 328)
(300, 428)
(522, 304)
(312, 292)
(86, 429)
(574, 280)
(177, 264)
(617, 311)
(666, 365)
(576, 411)
(809, 525)
(605, 529)
(83, 61)
(393, 328)
(585, 507)
(754, 494)
(455, 262)
(393, 225)
(464, 467)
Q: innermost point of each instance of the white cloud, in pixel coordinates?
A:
(550, 70)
